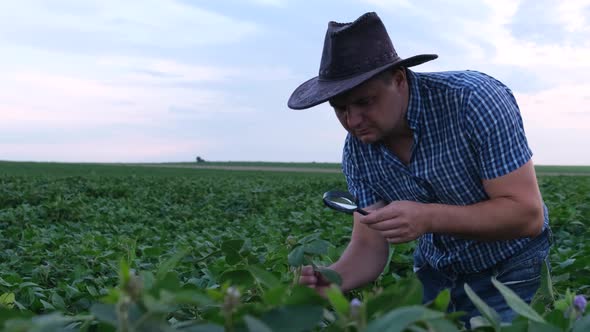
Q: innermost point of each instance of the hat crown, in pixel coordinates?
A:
(357, 47)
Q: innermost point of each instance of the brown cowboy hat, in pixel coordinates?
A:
(353, 53)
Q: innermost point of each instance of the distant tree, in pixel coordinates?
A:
(200, 160)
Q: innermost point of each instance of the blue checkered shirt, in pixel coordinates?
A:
(467, 127)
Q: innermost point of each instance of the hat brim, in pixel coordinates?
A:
(316, 91)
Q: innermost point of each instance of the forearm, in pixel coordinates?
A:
(500, 218)
(361, 263)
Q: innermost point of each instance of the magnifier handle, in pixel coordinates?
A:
(361, 211)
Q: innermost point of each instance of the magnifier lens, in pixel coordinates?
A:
(342, 201)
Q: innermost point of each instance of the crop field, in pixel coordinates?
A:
(88, 247)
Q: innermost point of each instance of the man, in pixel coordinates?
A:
(437, 157)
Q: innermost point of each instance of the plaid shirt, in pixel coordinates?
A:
(467, 127)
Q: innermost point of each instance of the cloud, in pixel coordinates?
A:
(120, 78)
(121, 148)
(563, 107)
(165, 71)
(522, 52)
(63, 101)
(149, 23)
(476, 33)
(575, 15)
(272, 3)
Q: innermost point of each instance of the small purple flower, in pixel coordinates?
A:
(355, 305)
(580, 303)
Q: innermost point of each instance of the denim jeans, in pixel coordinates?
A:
(521, 272)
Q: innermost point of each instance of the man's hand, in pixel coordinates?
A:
(399, 221)
(314, 279)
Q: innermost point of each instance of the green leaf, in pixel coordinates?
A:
(169, 264)
(293, 318)
(124, 273)
(561, 278)
(208, 327)
(557, 318)
(301, 295)
(7, 299)
(516, 303)
(275, 296)
(185, 297)
(169, 280)
(543, 327)
(567, 262)
(5, 283)
(28, 284)
(401, 318)
(105, 313)
(232, 257)
(295, 257)
(330, 275)
(310, 238)
(546, 289)
(487, 312)
(152, 251)
(317, 247)
(517, 326)
(58, 301)
(264, 277)
(405, 292)
(582, 324)
(338, 301)
(238, 277)
(155, 306)
(441, 324)
(561, 304)
(47, 305)
(148, 279)
(442, 300)
(47, 322)
(480, 323)
(233, 245)
(255, 325)
(389, 256)
(8, 314)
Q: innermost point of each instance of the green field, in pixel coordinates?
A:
(114, 169)
(582, 170)
(540, 169)
(117, 170)
(264, 164)
(115, 247)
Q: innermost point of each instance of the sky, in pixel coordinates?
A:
(170, 80)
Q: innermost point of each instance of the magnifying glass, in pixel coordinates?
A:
(342, 201)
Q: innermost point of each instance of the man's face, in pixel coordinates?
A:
(376, 109)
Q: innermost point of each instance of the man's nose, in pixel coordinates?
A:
(355, 117)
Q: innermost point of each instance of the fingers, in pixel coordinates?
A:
(398, 236)
(311, 278)
(307, 276)
(307, 270)
(314, 280)
(369, 219)
(394, 233)
(397, 240)
(380, 215)
(395, 225)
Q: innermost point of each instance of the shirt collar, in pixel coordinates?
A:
(414, 102)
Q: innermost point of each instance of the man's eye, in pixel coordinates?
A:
(340, 109)
(364, 101)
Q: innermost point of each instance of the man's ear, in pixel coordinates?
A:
(399, 75)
